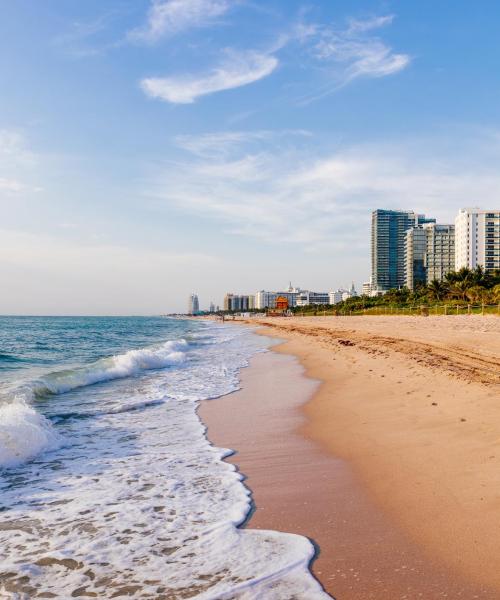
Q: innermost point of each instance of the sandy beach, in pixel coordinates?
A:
(391, 465)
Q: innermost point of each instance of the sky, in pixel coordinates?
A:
(154, 148)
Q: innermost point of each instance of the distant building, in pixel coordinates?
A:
(239, 303)
(477, 239)
(193, 305)
(342, 294)
(211, 308)
(440, 251)
(415, 249)
(335, 297)
(366, 288)
(388, 237)
(429, 253)
(306, 298)
(228, 301)
(265, 299)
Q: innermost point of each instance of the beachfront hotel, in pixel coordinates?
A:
(440, 251)
(388, 239)
(265, 299)
(477, 239)
(295, 296)
(429, 253)
(239, 302)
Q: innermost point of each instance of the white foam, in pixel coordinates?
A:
(24, 433)
(144, 505)
(114, 367)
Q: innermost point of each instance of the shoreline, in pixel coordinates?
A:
(356, 524)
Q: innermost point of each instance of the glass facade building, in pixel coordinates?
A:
(415, 251)
(388, 240)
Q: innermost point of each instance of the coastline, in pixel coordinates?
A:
(356, 486)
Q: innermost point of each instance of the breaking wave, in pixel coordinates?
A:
(25, 433)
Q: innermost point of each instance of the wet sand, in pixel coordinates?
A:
(301, 484)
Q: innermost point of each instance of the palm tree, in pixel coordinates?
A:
(476, 293)
(495, 292)
(459, 289)
(463, 274)
(437, 289)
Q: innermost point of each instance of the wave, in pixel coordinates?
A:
(5, 357)
(113, 367)
(10, 361)
(25, 433)
(127, 407)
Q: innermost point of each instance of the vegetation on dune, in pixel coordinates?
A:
(466, 286)
(459, 290)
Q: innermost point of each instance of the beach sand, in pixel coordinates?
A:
(392, 467)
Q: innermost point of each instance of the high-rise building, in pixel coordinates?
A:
(429, 253)
(388, 238)
(237, 302)
(211, 308)
(265, 299)
(440, 251)
(477, 239)
(415, 248)
(228, 302)
(193, 305)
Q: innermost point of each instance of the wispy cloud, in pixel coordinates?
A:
(237, 70)
(17, 163)
(351, 53)
(91, 37)
(13, 148)
(363, 25)
(225, 143)
(169, 17)
(320, 197)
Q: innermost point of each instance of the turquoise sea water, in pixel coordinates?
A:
(108, 484)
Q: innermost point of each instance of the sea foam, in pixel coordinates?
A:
(138, 503)
(114, 367)
(25, 433)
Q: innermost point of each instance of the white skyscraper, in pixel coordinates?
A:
(477, 239)
(193, 305)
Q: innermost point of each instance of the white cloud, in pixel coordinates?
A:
(168, 17)
(363, 25)
(17, 164)
(10, 185)
(351, 53)
(224, 143)
(239, 69)
(13, 148)
(322, 199)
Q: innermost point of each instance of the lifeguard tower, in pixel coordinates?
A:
(280, 307)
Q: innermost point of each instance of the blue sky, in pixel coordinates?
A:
(152, 148)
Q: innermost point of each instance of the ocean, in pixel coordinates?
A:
(109, 486)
